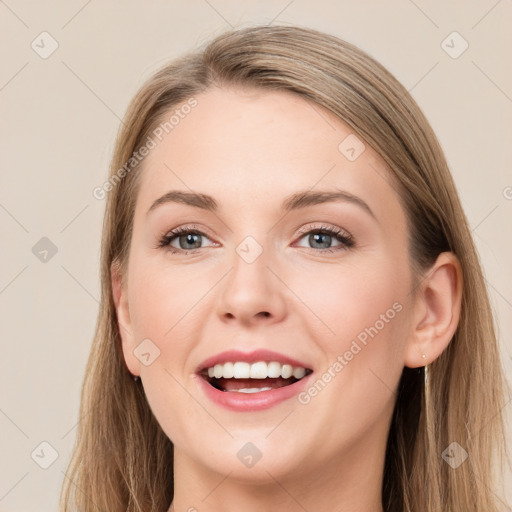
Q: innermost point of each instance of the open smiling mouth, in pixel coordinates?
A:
(243, 377)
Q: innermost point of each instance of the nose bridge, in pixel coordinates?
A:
(251, 289)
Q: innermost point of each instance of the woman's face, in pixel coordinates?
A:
(321, 282)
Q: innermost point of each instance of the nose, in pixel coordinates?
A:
(252, 293)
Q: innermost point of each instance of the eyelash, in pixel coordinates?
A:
(346, 240)
(341, 236)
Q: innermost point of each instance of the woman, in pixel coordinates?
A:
(293, 312)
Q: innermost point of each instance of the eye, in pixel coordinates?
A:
(322, 239)
(186, 238)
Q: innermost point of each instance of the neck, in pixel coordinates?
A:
(350, 482)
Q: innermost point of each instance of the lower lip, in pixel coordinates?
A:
(246, 402)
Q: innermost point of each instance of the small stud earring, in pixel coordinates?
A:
(136, 378)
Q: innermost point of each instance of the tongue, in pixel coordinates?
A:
(236, 384)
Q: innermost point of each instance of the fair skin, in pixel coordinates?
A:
(250, 150)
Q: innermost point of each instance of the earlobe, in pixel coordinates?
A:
(436, 312)
(120, 296)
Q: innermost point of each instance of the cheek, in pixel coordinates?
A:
(166, 307)
(166, 299)
(362, 302)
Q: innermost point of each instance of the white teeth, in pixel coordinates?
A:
(274, 370)
(228, 370)
(287, 371)
(298, 373)
(241, 370)
(251, 390)
(258, 370)
(217, 371)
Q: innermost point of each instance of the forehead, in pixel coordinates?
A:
(245, 146)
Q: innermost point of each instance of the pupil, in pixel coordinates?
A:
(314, 238)
(189, 239)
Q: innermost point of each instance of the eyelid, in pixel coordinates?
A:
(324, 227)
(185, 228)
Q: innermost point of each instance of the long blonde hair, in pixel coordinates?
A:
(123, 461)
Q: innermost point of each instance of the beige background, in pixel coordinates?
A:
(59, 117)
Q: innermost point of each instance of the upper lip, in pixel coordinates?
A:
(249, 357)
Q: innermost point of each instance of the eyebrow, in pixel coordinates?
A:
(294, 202)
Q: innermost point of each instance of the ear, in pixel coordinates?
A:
(120, 294)
(436, 311)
